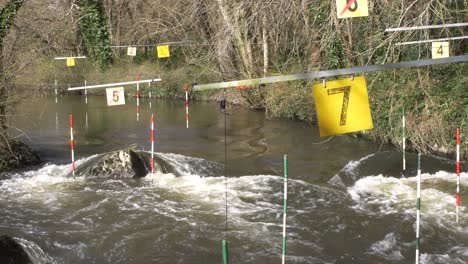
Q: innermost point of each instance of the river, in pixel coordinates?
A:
(348, 201)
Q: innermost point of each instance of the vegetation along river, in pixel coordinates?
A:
(348, 201)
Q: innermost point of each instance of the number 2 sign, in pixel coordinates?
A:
(342, 106)
(115, 96)
(351, 8)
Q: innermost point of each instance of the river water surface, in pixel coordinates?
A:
(348, 200)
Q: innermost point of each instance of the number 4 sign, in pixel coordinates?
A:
(440, 50)
(342, 106)
(351, 8)
(115, 96)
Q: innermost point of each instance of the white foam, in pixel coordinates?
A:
(389, 195)
(35, 253)
(353, 164)
(388, 247)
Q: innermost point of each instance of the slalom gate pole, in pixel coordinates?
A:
(225, 252)
(152, 146)
(86, 93)
(149, 89)
(186, 105)
(285, 206)
(138, 98)
(418, 207)
(458, 171)
(56, 90)
(86, 121)
(72, 146)
(149, 93)
(404, 140)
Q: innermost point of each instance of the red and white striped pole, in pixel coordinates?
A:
(458, 172)
(86, 92)
(186, 105)
(72, 146)
(152, 146)
(149, 93)
(138, 98)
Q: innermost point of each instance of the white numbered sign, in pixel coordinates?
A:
(352, 8)
(440, 50)
(115, 96)
(131, 51)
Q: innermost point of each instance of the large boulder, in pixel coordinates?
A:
(11, 252)
(122, 164)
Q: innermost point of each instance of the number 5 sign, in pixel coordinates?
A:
(351, 8)
(115, 96)
(342, 106)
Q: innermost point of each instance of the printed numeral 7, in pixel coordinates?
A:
(344, 109)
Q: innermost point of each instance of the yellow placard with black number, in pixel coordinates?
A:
(342, 106)
(70, 62)
(352, 8)
(440, 50)
(163, 51)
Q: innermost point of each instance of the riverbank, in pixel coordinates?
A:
(434, 99)
(16, 156)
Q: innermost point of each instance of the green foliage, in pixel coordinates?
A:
(7, 17)
(290, 100)
(95, 34)
(337, 54)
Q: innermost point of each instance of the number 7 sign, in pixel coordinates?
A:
(342, 106)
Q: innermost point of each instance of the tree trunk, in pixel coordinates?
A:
(242, 45)
(265, 46)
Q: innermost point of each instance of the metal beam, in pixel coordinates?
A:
(112, 84)
(330, 73)
(64, 58)
(426, 27)
(428, 41)
(148, 45)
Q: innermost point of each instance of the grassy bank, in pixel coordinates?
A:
(435, 100)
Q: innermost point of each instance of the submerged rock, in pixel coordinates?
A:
(11, 252)
(122, 164)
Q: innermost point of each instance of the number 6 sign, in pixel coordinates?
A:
(342, 106)
(115, 96)
(351, 8)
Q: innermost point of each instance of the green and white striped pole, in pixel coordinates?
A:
(285, 206)
(225, 252)
(404, 140)
(418, 206)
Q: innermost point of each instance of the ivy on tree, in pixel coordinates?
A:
(95, 33)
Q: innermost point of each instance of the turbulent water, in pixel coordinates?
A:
(348, 201)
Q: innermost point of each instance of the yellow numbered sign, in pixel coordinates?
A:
(440, 50)
(131, 51)
(115, 96)
(163, 51)
(70, 62)
(352, 8)
(342, 106)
